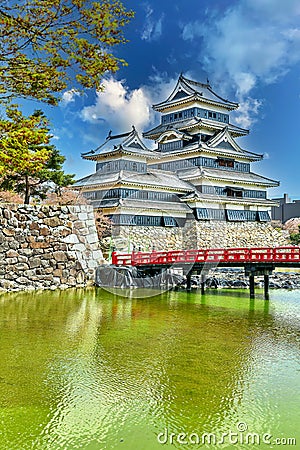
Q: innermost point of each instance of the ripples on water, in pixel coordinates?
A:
(86, 369)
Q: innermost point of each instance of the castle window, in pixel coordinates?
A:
(209, 114)
(169, 222)
(224, 162)
(240, 215)
(232, 192)
(202, 214)
(263, 216)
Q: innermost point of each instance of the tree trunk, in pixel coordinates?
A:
(27, 191)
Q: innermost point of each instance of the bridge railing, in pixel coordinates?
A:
(287, 254)
(263, 254)
(215, 255)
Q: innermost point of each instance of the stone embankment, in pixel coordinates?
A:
(235, 278)
(217, 234)
(204, 234)
(47, 247)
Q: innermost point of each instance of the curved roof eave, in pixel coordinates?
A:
(120, 150)
(168, 104)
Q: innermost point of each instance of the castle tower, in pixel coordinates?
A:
(197, 141)
(198, 180)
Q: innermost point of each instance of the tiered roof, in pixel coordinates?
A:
(193, 124)
(193, 173)
(126, 143)
(152, 178)
(187, 90)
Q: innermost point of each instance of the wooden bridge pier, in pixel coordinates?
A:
(264, 270)
(189, 282)
(266, 287)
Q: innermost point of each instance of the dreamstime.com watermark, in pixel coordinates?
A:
(240, 436)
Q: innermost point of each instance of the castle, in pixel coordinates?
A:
(197, 177)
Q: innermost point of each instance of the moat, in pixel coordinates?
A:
(87, 369)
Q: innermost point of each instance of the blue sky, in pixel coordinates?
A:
(248, 49)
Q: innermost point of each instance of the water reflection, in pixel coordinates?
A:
(88, 369)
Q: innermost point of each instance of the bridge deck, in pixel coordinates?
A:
(234, 257)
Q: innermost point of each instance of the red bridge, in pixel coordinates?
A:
(256, 261)
(289, 256)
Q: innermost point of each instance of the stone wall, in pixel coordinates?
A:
(204, 234)
(47, 247)
(146, 237)
(217, 234)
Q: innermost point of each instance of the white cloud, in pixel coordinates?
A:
(153, 27)
(191, 31)
(246, 115)
(119, 107)
(254, 42)
(69, 96)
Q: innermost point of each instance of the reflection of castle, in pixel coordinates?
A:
(197, 172)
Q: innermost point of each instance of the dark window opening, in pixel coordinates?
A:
(263, 216)
(169, 222)
(231, 192)
(226, 162)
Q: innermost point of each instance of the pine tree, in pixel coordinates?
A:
(28, 162)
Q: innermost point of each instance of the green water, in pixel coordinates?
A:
(86, 369)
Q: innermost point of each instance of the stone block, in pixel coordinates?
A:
(8, 231)
(80, 278)
(78, 224)
(22, 280)
(60, 256)
(19, 267)
(83, 216)
(71, 239)
(44, 231)
(12, 254)
(71, 255)
(34, 262)
(11, 260)
(92, 238)
(97, 255)
(79, 247)
(52, 221)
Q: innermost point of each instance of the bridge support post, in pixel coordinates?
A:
(266, 287)
(188, 282)
(202, 285)
(252, 288)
